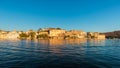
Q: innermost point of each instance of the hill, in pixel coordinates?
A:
(114, 34)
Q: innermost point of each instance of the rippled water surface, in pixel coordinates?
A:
(60, 54)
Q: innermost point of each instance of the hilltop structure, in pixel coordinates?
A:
(50, 33)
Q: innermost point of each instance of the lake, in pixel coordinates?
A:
(52, 53)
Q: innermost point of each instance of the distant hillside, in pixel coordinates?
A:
(114, 34)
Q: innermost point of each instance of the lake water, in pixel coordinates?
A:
(60, 53)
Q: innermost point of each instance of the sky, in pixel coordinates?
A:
(86, 15)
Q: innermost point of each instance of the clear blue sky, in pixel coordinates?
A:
(87, 15)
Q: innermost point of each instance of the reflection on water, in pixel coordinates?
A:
(95, 42)
(72, 53)
(58, 42)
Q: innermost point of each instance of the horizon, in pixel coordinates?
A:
(86, 15)
(61, 28)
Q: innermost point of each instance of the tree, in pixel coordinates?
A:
(39, 29)
(43, 36)
(58, 28)
(23, 36)
(31, 35)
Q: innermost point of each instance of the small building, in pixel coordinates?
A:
(75, 34)
(3, 34)
(43, 32)
(13, 35)
(95, 35)
(101, 36)
(56, 33)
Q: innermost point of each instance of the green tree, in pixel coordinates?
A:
(43, 36)
(31, 35)
(58, 28)
(39, 29)
(23, 36)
